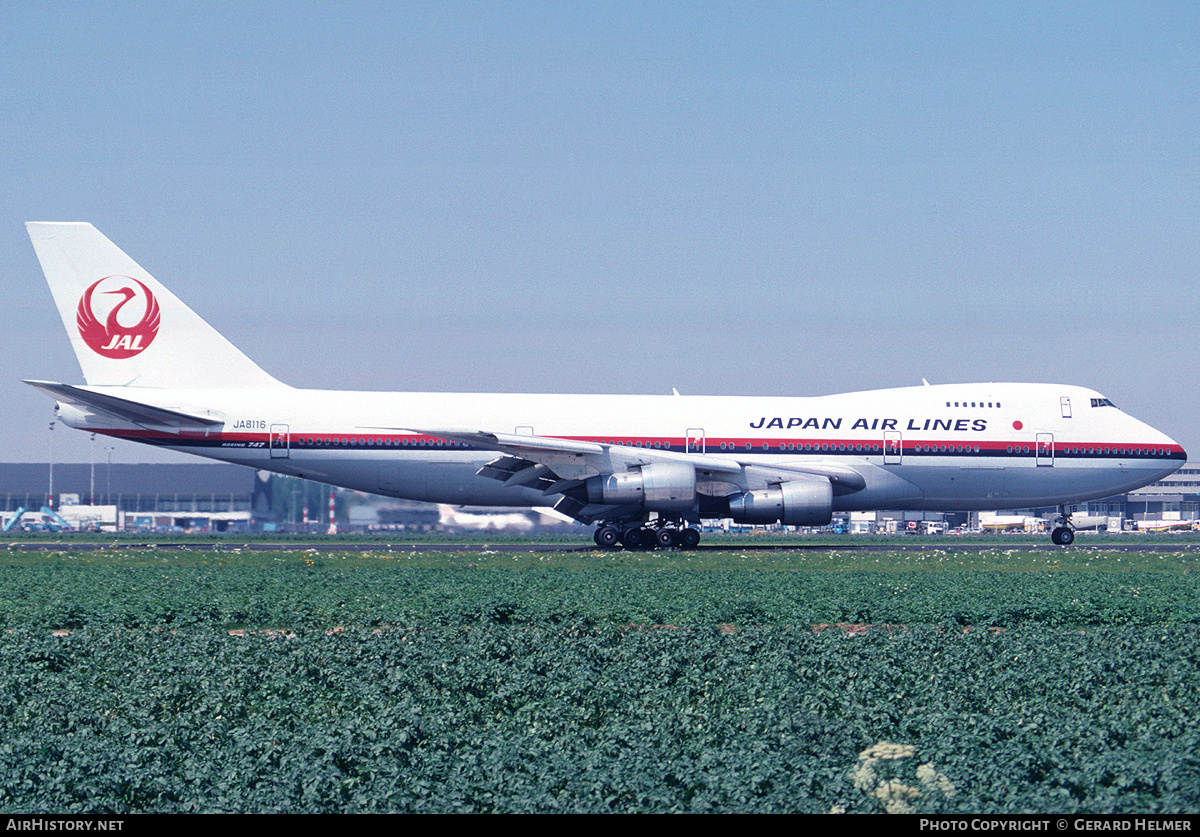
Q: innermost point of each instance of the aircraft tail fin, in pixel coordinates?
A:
(125, 327)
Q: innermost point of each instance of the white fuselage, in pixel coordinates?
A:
(945, 448)
(645, 467)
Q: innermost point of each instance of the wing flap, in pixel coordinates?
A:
(513, 470)
(845, 479)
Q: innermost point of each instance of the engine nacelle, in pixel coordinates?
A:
(663, 486)
(796, 503)
(72, 416)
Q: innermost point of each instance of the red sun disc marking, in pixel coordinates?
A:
(1017, 425)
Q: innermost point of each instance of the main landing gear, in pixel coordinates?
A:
(657, 534)
(1063, 534)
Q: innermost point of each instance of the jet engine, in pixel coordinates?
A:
(795, 503)
(662, 486)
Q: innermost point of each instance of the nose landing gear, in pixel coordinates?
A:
(1064, 533)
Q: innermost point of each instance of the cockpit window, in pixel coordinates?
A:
(1102, 402)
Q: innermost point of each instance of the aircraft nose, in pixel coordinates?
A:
(1155, 439)
(1178, 457)
(1177, 451)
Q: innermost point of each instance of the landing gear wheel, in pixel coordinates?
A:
(632, 538)
(666, 538)
(606, 536)
(689, 538)
(647, 538)
(1063, 536)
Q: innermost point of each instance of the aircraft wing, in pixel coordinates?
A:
(125, 409)
(558, 464)
(572, 459)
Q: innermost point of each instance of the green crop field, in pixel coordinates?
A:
(998, 680)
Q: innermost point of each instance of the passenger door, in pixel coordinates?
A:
(1045, 450)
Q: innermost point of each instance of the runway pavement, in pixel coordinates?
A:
(328, 545)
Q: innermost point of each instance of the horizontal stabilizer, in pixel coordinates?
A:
(143, 415)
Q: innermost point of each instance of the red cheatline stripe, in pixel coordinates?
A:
(711, 445)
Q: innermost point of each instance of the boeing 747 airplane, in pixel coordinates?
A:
(645, 469)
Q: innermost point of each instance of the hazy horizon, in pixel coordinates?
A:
(726, 198)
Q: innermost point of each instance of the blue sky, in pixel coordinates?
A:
(726, 198)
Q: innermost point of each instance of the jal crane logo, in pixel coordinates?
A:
(116, 337)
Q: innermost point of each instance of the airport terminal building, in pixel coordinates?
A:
(1175, 498)
(147, 495)
(191, 497)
